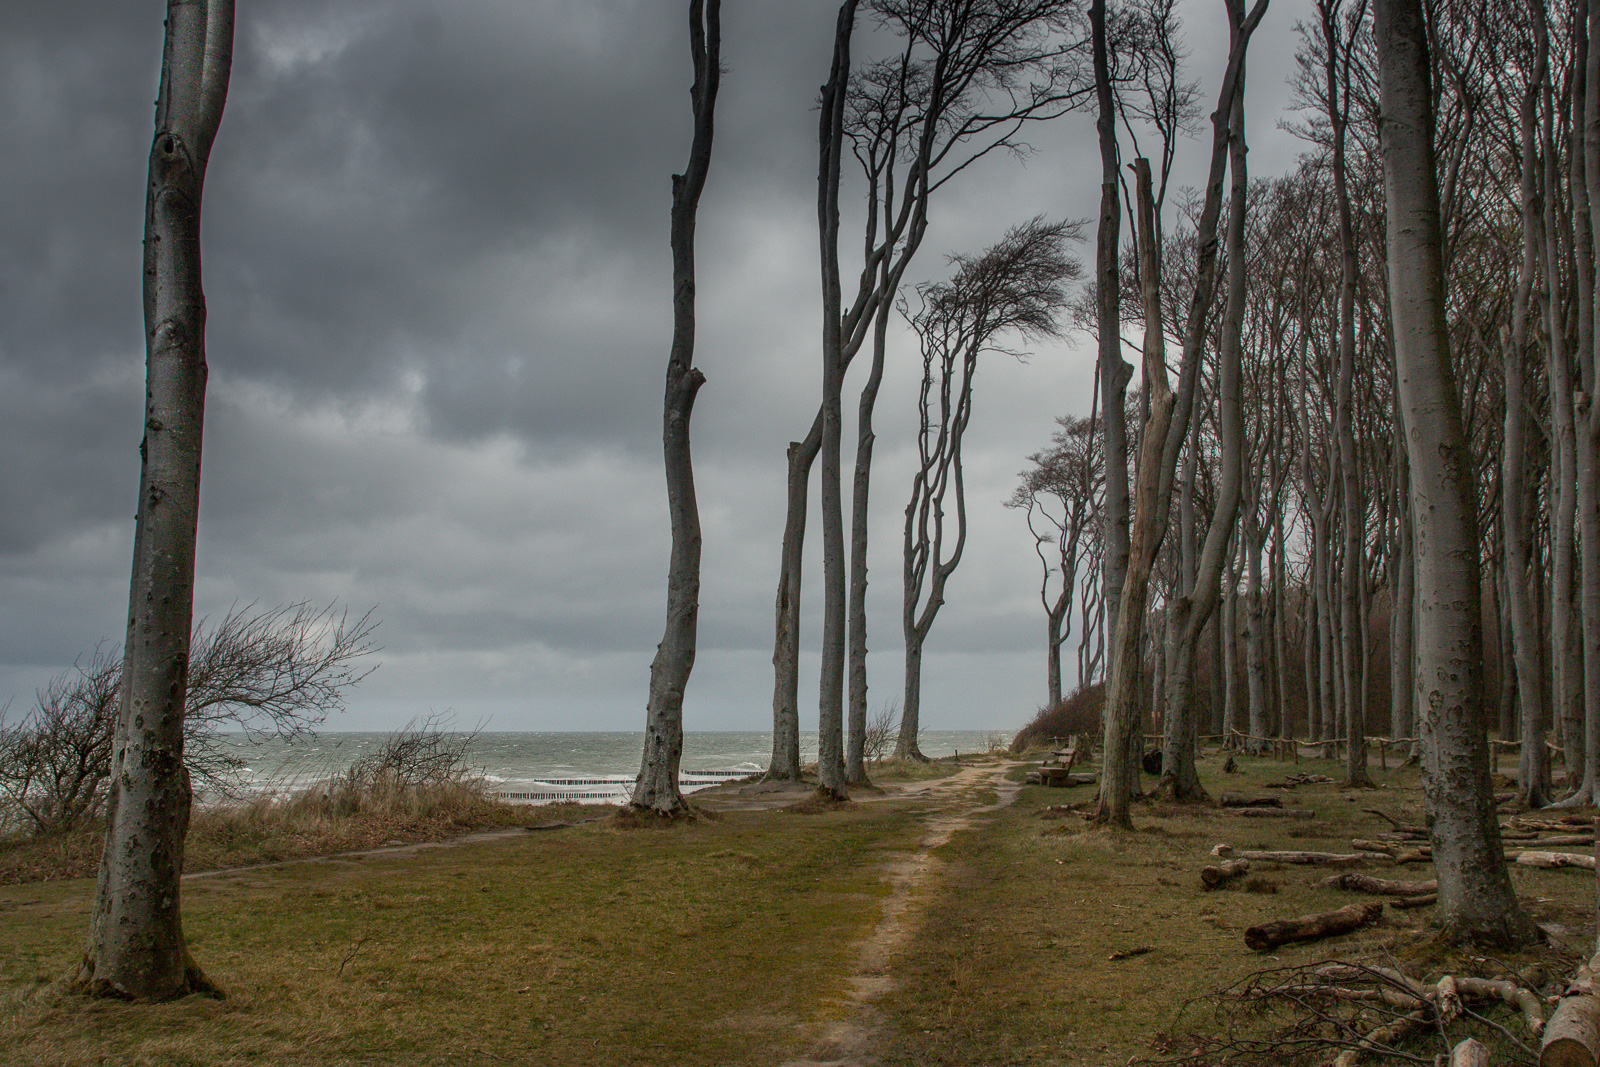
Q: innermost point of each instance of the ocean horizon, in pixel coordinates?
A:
(542, 766)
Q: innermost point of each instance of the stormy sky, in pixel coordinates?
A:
(436, 266)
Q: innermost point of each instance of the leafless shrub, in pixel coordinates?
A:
(54, 761)
(277, 672)
(883, 727)
(421, 765)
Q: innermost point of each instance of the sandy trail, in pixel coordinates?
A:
(952, 806)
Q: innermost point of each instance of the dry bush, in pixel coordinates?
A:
(1076, 714)
(883, 727)
(276, 672)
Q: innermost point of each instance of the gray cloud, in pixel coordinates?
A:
(437, 277)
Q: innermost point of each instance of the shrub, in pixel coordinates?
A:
(1076, 714)
(281, 671)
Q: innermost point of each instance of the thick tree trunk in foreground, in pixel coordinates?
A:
(657, 790)
(1475, 896)
(1588, 427)
(136, 945)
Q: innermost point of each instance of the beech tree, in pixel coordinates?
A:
(1475, 895)
(1014, 287)
(136, 946)
(657, 790)
(968, 76)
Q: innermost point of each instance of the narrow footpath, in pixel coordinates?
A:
(951, 805)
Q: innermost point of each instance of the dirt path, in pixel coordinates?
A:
(952, 806)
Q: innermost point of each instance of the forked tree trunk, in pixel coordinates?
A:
(657, 789)
(1475, 896)
(136, 946)
(1180, 779)
(1164, 435)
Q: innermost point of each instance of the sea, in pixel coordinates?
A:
(593, 768)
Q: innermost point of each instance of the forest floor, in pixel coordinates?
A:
(954, 918)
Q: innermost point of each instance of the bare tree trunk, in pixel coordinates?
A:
(1164, 436)
(1402, 685)
(785, 764)
(657, 789)
(1255, 624)
(830, 697)
(1565, 641)
(1475, 896)
(1180, 779)
(1516, 496)
(1588, 418)
(1228, 630)
(136, 946)
(855, 769)
(1354, 509)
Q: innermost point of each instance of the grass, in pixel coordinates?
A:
(1032, 910)
(270, 830)
(731, 939)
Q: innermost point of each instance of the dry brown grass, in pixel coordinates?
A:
(317, 822)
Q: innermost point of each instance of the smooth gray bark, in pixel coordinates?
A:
(657, 789)
(136, 946)
(1166, 428)
(1336, 67)
(1587, 416)
(1476, 900)
(785, 763)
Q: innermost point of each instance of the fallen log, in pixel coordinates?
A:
(1525, 1000)
(1415, 855)
(1312, 927)
(1239, 800)
(1219, 873)
(1387, 848)
(1356, 882)
(1414, 902)
(1566, 839)
(1572, 1036)
(1387, 1034)
(1316, 859)
(1469, 1054)
(1271, 813)
(1550, 860)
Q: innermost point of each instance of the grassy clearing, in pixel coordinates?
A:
(1031, 910)
(718, 942)
(730, 940)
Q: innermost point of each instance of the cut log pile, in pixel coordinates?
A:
(1572, 1037)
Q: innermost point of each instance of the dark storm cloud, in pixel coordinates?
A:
(437, 277)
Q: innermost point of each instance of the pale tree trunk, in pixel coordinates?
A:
(657, 790)
(1344, 417)
(855, 768)
(1255, 644)
(1118, 772)
(1588, 420)
(1228, 628)
(785, 764)
(1402, 683)
(1180, 779)
(1476, 900)
(1164, 435)
(1565, 641)
(136, 946)
(1517, 498)
(830, 695)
